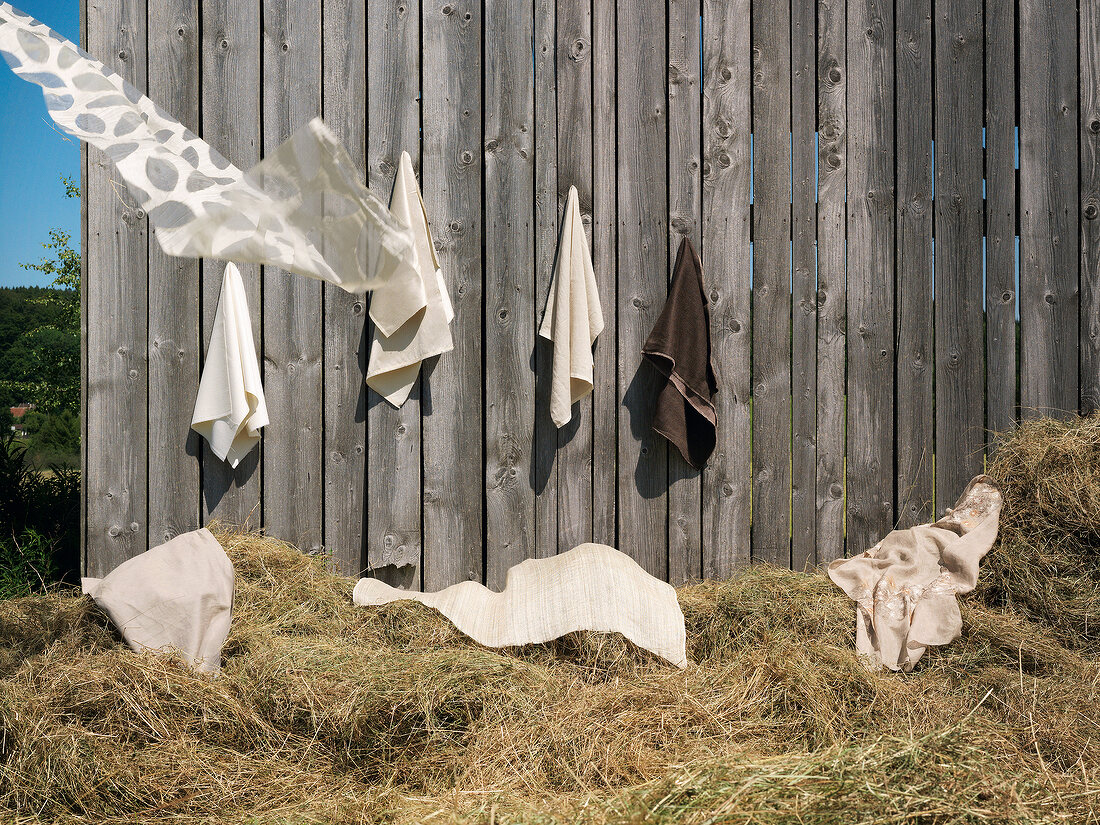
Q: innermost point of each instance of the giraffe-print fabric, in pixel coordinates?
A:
(303, 208)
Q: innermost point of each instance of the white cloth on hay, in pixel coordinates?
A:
(573, 317)
(905, 586)
(591, 587)
(303, 208)
(176, 598)
(230, 407)
(411, 313)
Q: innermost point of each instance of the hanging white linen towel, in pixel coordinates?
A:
(177, 598)
(230, 407)
(573, 317)
(304, 208)
(411, 313)
(592, 587)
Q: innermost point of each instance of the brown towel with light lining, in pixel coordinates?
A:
(679, 347)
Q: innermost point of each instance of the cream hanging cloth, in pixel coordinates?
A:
(230, 407)
(573, 317)
(905, 586)
(304, 208)
(177, 597)
(411, 313)
(592, 587)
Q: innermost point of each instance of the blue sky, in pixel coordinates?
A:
(33, 155)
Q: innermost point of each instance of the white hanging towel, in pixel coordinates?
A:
(592, 587)
(573, 317)
(411, 313)
(230, 408)
(304, 208)
(176, 598)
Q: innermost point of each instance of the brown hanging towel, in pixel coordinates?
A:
(679, 347)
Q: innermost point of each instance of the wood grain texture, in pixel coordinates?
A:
(574, 149)
(915, 356)
(960, 374)
(175, 450)
(1089, 56)
(727, 175)
(344, 451)
(85, 244)
(545, 458)
(605, 400)
(231, 125)
(292, 338)
(116, 321)
(509, 268)
(393, 515)
(1048, 208)
(451, 398)
(643, 261)
(771, 283)
(803, 284)
(685, 185)
(832, 296)
(1000, 216)
(870, 471)
(832, 282)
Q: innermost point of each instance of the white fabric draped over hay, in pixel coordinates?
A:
(591, 587)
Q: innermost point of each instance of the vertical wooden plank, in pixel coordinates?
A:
(960, 396)
(832, 295)
(292, 339)
(509, 286)
(727, 170)
(1089, 46)
(545, 454)
(804, 284)
(231, 125)
(771, 282)
(870, 471)
(574, 145)
(1000, 216)
(451, 399)
(344, 102)
(175, 450)
(915, 422)
(605, 399)
(1048, 204)
(394, 455)
(643, 259)
(85, 244)
(117, 300)
(685, 553)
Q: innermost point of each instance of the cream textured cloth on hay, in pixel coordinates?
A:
(303, 208)
(591, 587)
(411, 313)
(905, 586)
(177, 598)
(230, 407)
(573, 317)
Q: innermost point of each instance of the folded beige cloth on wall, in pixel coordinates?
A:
(411, 313)
(591, 587)
(177, 597)
(230, 407)
(573, 317)
(905, 586)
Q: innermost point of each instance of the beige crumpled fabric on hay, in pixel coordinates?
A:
(303, 208)
(905, 586)
(230, 408)
(591, 587)
(177, 597)
(411, 313)
(573, 317)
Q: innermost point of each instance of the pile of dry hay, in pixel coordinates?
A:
(328, 713)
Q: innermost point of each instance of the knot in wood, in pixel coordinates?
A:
(113, 531)
(834, 161)
(491, 145)
(578, 48)
(835, 490)
(714, 296)
(181, 31)
(455, 226)
(122, 54)
(1049, 298)
(834, 75)
(401, 429)
(1006, 297)
(467, 157)
(1094, 126)
(1090, 211)
(223, 44)
(727, 490)
(724, 160)
(447, 9)
(285, 47)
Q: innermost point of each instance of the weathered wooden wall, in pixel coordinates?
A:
(883, 194)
